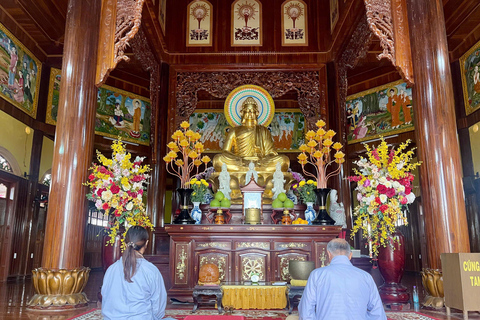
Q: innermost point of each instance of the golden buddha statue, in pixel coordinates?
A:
(250, 142)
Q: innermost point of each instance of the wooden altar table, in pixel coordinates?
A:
(238, 250)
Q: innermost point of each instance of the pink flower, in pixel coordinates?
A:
(105, 206)
(140, 192)
(390, 192)
(408, 190)
(114, 188)
(91, 177)
(403, 200)
(383, 208)
(381, 189)
(366, 183)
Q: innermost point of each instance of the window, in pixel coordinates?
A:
(3, 191)
(4, 165)
(97, 218)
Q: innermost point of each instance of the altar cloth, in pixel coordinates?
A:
(214, 317)
(254, 296)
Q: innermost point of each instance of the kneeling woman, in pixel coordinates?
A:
(133, 288)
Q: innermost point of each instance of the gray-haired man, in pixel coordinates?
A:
(340, 291)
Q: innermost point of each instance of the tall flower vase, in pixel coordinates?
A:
(310, 213)
(322, 217)
(184, 216)
(391, 263)
(196, 212)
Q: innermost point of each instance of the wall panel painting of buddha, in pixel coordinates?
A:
(380, 111)
(200, 23)
(19, 73)
(470, 71)
(294, 23)
(287, 129)
(119, 113)
(246, 23)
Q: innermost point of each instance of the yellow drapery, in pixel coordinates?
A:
(254, 297)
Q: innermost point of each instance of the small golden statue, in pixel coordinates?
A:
(250, 142)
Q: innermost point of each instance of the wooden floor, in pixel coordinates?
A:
(15, 295)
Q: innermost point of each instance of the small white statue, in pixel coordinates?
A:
(278, 181)
(251, 172)
(224, 182)
(337, 211)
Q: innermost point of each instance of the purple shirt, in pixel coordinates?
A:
(340, 291)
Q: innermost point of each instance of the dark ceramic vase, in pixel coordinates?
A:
(111, 253)
(184, 216)
(391, 263)
(322, 217)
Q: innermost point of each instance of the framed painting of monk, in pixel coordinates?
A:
(380, 111)
(119, 113)
(470, 71)
(287, 129)
(19, 73)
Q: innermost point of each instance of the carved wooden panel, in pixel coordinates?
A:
(321, 256)
(181, 264)
(282, 261)
(252, 262)
(307, 84)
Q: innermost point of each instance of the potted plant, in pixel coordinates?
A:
(384, 189)
(117, 187)
(305, 190)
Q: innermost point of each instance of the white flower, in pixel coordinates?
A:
(388, 184)
(98, 204)
(129, 206)
(359, 196)
(400, 165)
(396, 184)
(401, 189)
(126, 187)
(374, 183)
(106, 195)
(137, 185)
(410, 197)
(382, 180)
(119, 157)
(383, 198)
(370, 210)
(139, 197)
(126, 173)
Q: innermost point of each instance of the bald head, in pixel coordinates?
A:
(337, 247)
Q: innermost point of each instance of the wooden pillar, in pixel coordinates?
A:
(435, 129)
(64, 235)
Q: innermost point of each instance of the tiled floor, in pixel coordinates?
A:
(15, 295)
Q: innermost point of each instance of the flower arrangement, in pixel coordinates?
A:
(117, 186)
(384, 187)
(186, 143)
(317, 152)
(200, 188)
(304, 190)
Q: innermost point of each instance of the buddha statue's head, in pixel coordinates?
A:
(249, 112)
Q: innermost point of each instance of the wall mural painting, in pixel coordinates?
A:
(287, 128)
(246, 23)
(470, 71)
(19, 74)
(294, 23)
(119, 113)
(334, 13)
(200, 23)
(381, 111)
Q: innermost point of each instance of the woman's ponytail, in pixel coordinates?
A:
(136, 238)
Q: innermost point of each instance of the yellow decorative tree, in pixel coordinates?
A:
(185, 157)
(318, 153)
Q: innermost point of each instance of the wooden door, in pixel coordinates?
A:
(220, 259)
(7, 201)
